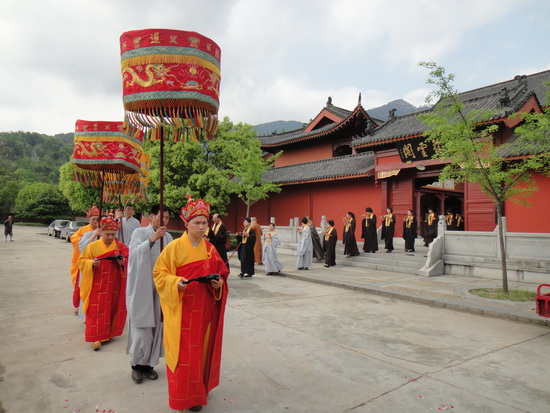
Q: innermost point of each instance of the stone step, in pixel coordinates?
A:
(398, 261)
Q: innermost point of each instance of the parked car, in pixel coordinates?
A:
(56, 226)
(71, 228)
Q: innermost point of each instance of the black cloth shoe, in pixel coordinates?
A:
(245, 276)
(149, 373)
(137, 376)
(241, 275)
(195, 408)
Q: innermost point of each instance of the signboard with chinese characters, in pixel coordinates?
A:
(417, 149)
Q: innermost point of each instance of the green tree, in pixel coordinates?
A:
(80, 198)
(8, 194)
(205, 169)
(465, 139)
(41, 202)
(248, 169)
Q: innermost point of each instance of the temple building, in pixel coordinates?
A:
(346, 160)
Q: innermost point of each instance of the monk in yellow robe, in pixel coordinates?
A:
(103, 285)
(93, 220)
(193, 311)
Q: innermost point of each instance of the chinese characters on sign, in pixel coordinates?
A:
(417, 149)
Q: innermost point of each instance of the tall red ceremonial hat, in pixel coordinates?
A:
(109, 224)
(195, 209)
(93, 212)
(171, 79)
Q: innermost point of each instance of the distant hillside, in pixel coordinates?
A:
(33, 157)
(403, 108)
(277, 126)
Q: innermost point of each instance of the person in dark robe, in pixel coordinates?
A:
(247, 239)
(8, 228)
(459, 226)
(318, 252)
(368, 231)
(450, 219)
(217, 235)
(388, 229)
(409, 231)
(430, 227)
(350, 242)
(330, 239)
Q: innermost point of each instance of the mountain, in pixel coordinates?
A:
(277, 126)
(403, 108)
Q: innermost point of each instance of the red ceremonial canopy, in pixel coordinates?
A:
(105, 156)
(171, 82)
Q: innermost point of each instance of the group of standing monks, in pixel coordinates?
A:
(388, 221)
(122, 272)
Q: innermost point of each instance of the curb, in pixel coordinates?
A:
(430, 301)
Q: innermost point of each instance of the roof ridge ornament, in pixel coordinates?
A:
(391, 114)
(504, 101)
(329, 101)
(359, 100)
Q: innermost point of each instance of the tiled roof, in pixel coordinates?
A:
(342, 167)
(340, 112)
(515, 92)
(513, 149)
(298, 135)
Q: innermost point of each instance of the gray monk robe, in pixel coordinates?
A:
(127, 227)
(304, 251)
(142, 302)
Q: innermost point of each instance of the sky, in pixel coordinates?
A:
(280, 59)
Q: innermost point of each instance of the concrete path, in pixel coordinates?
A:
(289, 346)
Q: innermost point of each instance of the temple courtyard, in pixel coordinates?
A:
(289, 346)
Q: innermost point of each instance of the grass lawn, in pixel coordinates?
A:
(497, 294)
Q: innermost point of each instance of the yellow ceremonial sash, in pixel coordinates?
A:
(216, 228)
(327, 235)
(348, 225)
(245, 234)
(268, 239)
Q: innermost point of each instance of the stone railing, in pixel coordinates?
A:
(477, 253)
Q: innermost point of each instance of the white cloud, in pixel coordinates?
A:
(280, 58)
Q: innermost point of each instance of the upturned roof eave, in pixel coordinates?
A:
(337, 126)
(335, 178)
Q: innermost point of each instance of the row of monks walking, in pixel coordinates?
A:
(122, 272)
(256, 247)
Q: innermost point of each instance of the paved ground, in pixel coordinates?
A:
(290, 346)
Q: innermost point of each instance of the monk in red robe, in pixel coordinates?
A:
(103, 285)
(93, 221)
(193, 311)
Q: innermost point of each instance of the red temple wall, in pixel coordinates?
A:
(520, 218)
(304, 154)
(331, 199)
(479, 209)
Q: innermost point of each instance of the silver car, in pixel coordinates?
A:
(56, 226)
(71, 228)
